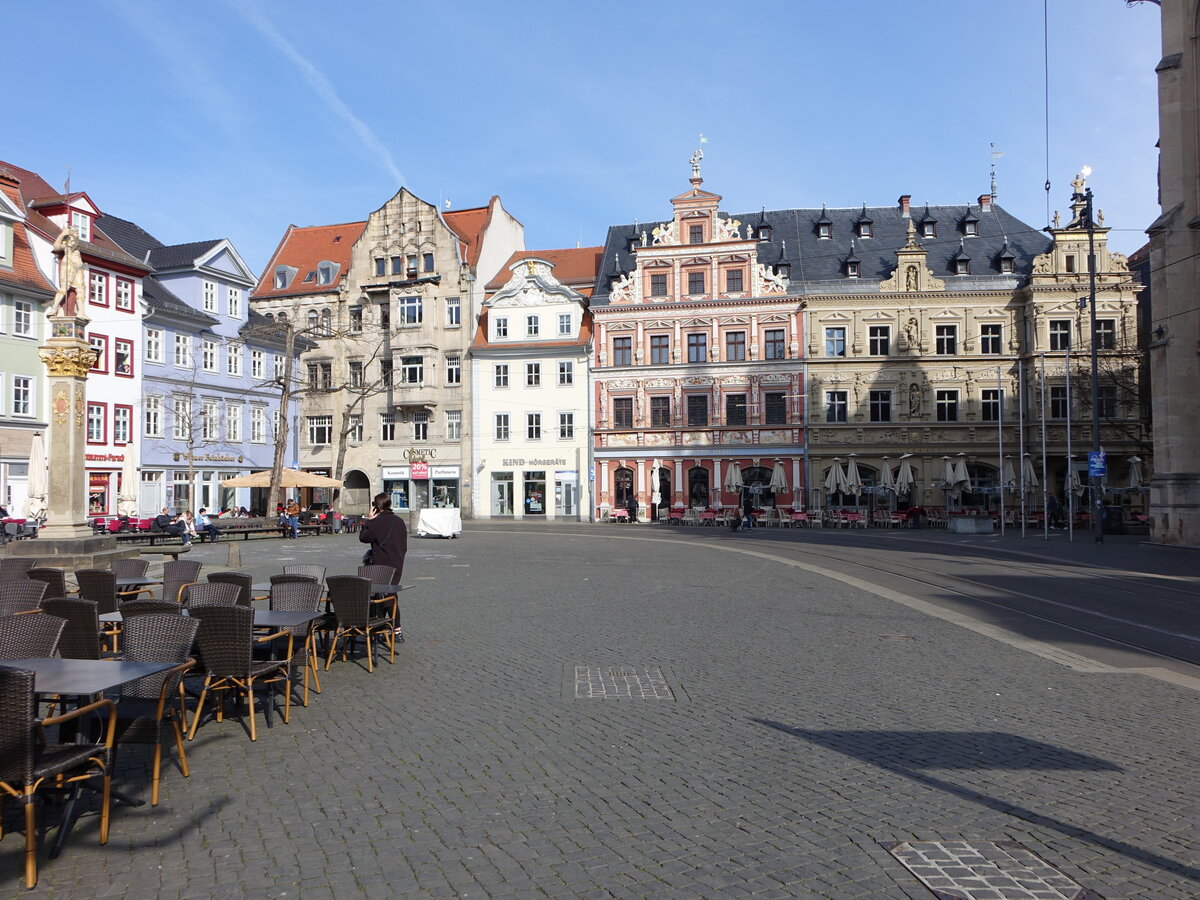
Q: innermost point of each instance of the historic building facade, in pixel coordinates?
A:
(530, 404)
(390, 304)
(697, 368)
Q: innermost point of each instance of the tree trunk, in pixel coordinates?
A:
(281, 435)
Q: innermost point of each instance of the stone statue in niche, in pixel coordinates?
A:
(912, 333)
(910, 278)
(914, 399)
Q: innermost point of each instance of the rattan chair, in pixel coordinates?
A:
(56, 580)
(212, 593)
(30, 637)
(313, 571)
(351, 600)
(150, 703)
(20, 596)
(130, 568)
(377, 574)
(28, 763)
(226, 640)
(81, 636)
(14, 567)
(100, 585)
(244, 582)
(301, 597)
(176, 574)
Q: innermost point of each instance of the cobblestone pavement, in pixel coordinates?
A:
(598, 712)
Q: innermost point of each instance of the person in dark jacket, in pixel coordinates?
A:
(387, 534)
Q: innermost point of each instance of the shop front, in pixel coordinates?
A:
(421, 485)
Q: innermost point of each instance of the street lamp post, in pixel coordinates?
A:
(1097, 498)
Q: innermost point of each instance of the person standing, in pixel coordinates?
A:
(293, 517)
(387, 534)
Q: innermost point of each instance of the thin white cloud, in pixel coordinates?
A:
(320, 85)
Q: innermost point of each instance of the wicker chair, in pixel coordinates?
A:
(14, 567)
(56, 580)
(30, 637)
(130, 568)
(244, 582)
(301, 597)
(377, 574)
(28, 762)
(131, 608)
(313, 571)
(81, 636)
(212, 593)
(351, 600)
(176, 574)
(226, 639)
(21, 595)
(149, 703)
(100, 585)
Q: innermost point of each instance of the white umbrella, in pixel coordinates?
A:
(962, 478)
(1029, 474)
(778, 483)
(655, 493)
(127, 497)
(35, 499)
(1135, 473)
(1073, 482)
(733, 478)
(835, 480)
(853, 479)
(947, 473)
(1008, 476)
(905, 478)
(886, 480)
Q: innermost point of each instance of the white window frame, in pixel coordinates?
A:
(152, 417)
(233, 423)
(210, 296)
(210, 420)
(500, 327)
(453, 370)
(453, 312)
(501, 427)
(500, 375)
(387, 427)
(533, 426)
(258, 424)
(210, 356)
(566, 373)
(258, 364)
(233, 361)
(183, 351)
(22, 384)
(154, 345)
(181, 419)
(235, 303)
(564, 325)
(22, 319)
(533, 326)
(318, 427)
(420, 426)
(533, 374)
(566, 426)
(454, 424)
(121, 424)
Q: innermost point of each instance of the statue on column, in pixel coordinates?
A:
(72, 278)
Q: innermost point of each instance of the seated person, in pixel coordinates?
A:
(205, 526)
(165, 523)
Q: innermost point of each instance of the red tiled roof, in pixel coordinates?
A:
(25, 271)
(576, 267)
(469, 225)
(302, 249)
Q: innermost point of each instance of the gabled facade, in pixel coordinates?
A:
(209, 404)
(530, 404)
(698, 365)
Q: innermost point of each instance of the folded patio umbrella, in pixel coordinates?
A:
(1029, 474)
(835, 479)
(778, 483)
(853, 479)
(733, 478)
(887, 480)
(905, 480)
(127, 497)
(35, 497)
(1135, 473)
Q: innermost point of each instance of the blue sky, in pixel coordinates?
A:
(234, 118)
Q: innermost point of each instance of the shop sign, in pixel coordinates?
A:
(419, 470)
(521, 463)
(394, 473)
(444, 471)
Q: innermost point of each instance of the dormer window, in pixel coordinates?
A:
(852, 269)
(962, 267)
(311, 276)
(783, 268)
(824, 230)
(82, 223)
(929, 229)
(695, 234)
(763, 233)
(1006, 265)
(631, 244)
(864, 229)
(971, 228)
(283, 276)
(326, 271)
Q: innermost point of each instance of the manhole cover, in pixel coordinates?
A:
(995, 870)
(621, 683)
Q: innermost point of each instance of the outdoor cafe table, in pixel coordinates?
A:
(263, 618)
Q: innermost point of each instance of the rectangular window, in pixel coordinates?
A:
(380, 267)
(312, 376)
(387, 426)
(356, 320)
(123, 357)
(257, 364)
(697, 347)
(533, 374)
(355, 369)
(397, 265)
(566, 373)
(412, 369)
(454, 424)
(258, 424)
(533, 426)
(410, 310)
(453, 370)
(152, 416)
(1060, 334)
(208, 356)
(277, 362)
(386, 372)
(735, 346)
(124, 295)
(453, 312)
(697, 409)
(427, 262)
(775, 408)
(1106, 334)
(695, 234)
(233, 423)
(881, 406)
(235, 303)
(660, 349)
(695, 281)
(879, 340)
(411, 270)
(354, 429)
(500, 375)
(183, 351)
(835, 406)
(82, 223)
(622, 412)
(1108, 401)
(989, 405)
(502, 426)
(99, 343)
(320, 430)
(154, 345)
(385, 316)
(835, 341)
(733, 281)
(233, 362)
(501, 327)
(735, 409)
(622, 351)
(947, 406)
(22, 395)
(566, 426)
(660, 412)
(532, 326)
(774, 346)
(989, 339)
(564, 325)
(96, 415)
(22, 318)
(1058, 401)
(420, 424)
(210, 296)
(327, 376)
(98, 289)
(946, 339)
(210, 421)
(658, 285)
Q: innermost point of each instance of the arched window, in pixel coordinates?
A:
(698, 487)
(623, 487)
(313, 321)
(326, 322)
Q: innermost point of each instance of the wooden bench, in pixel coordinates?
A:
(172, 552)
(228, 529)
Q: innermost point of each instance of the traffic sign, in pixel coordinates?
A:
(1097, 464)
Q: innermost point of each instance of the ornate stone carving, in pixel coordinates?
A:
(69, 361)
(726, 229)
(774, 437)
(698, 380)
(737, 437)
(767, 282)
(71, 297)
(665, 234)
(80, 405)
(658, 439)
(61, 406)
(626, 289)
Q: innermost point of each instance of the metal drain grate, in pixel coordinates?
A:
(621, 683)
(985, 870)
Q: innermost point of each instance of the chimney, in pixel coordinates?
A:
(985, 202)
(904, 198)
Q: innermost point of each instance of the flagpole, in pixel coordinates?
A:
(1070, 458)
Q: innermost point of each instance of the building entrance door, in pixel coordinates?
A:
(566, 495)
(535, 493)
(502, 496)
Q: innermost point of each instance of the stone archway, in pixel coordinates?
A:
(356, 494)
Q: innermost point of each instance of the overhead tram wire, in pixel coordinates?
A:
(1046, 97)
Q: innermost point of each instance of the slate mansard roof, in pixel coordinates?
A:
(818, 264)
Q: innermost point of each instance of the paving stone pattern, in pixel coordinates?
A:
(621, 683)
(809, 742)
(985, 870)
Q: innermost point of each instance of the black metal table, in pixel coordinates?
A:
(84, 677)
